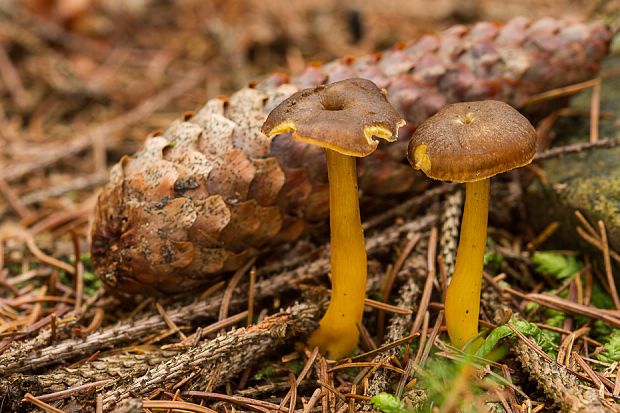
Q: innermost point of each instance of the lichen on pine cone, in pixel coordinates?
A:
(211, 191)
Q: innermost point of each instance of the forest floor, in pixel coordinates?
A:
(83, 83)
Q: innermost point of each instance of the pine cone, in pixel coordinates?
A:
(211, 191)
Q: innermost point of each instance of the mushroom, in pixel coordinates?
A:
(470, 142)
(341, 117)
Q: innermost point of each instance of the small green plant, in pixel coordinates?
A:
(611, 349)
(600, 298)
(447, 385)
(562, 267)
(91, 281)
(388, 403)
(555, 319)
(296, 366)
(492, 260)
(266, 371)
(522, 326)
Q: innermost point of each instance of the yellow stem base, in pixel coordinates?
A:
(463, 296)
(337, 334)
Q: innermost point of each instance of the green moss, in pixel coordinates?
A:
(589, 182)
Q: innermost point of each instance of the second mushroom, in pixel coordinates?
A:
(341, 117)
(470, 142)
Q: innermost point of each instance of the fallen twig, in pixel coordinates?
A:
(577, 147)
(177, 405)
(42, 405)
(233, 352)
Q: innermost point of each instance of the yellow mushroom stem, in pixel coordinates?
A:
(337, 333)
(462, 304)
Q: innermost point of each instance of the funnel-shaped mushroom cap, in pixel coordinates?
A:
(471, 141)
(343, 116)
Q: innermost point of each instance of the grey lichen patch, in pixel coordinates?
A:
(588, 182)
(602, 196)
(600, 200)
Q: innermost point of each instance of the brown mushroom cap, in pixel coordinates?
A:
(343, 116)
(471, 141)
